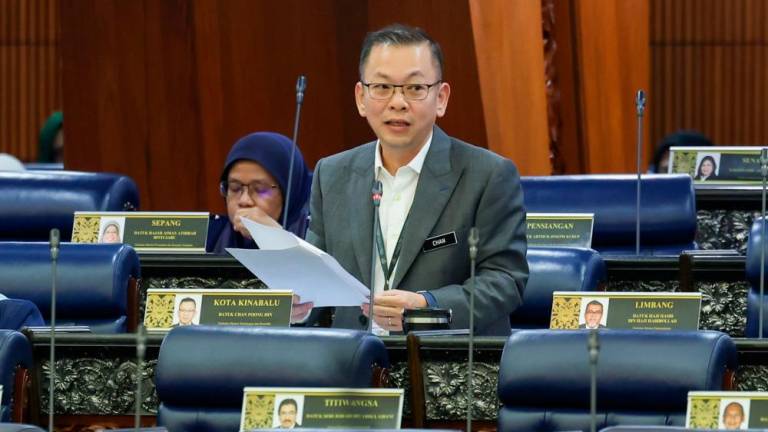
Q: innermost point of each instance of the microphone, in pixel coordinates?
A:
(593, 346)
(141, 348)
(376, 192)
(764, 172)
(301, 85)
(640, 107)
(55, 240)
(474, 239)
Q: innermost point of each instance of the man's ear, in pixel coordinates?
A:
(443, 94)
(359, 98)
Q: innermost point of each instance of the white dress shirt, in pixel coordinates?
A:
(396, 200)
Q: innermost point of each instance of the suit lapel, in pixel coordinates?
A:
(436, 183)
(361, 211)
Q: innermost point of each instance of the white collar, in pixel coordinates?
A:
(416, 164)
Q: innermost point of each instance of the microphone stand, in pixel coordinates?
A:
(376, 193)
(54, 240)
(593, 346)
(764, 172)
(474, 239)
(141, 348)
(301, 85)
(640, 106)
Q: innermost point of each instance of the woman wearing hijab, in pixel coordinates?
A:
(51, 142)
(254, 184)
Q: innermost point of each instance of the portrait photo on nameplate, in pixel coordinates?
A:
(320, 408)
(169, 308)
(156, 232)
(717, 165)
(625, 310)
(728, 410)
(559, 229)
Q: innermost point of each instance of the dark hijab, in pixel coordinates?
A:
(46, 152)
(273, 152)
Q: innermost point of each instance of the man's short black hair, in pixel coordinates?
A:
(187, 299)
(399, 35)
(287, 401)
(593, 303)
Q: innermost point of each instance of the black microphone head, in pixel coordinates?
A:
(55, 238)
(640, 97)
(640, 102)
(474, 239)
(593, 342)
(363, 320)
(301, 86)
(376, 192)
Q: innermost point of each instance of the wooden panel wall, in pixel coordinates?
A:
(30, 84)
(160, 90)
(610, 40)
(515, 101)
(710, 69)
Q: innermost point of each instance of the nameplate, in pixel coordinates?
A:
(439, 242)
(727, 410)
(169, 308)
(559, 229)
(320, 408)
(625, 310)
(145, 231)
(717, 165)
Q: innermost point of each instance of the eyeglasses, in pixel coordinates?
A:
(235, 189)
(382, 91)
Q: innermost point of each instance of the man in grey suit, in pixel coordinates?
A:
(435, 188)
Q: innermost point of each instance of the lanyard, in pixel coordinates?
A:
(380, 248)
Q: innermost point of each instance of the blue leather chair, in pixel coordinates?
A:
(33, 202)
(15, 362)
(18, 427)
(16, 314)
(753, 277)
(555, 269)
(201, 371)
(667, 209)
(643, 377)
(93, 285)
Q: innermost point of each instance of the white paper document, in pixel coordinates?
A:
(285, 261)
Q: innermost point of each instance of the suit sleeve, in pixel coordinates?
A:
(316, 232)
(502, 268)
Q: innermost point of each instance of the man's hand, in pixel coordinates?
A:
(388, 307)
(255, 214)
(300, 311)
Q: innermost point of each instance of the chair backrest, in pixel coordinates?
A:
(555, 269)
(201, 371)
(667, 209)
(643, 377)
(92, 281)
(15, 354)
(752, 272)
(18, 427)
(33, 202)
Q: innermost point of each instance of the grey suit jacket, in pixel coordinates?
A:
(460, 186)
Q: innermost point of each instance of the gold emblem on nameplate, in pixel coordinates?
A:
(160, 310)
(565, 313)
(258, 411)
(86, 229)
(704, 413)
